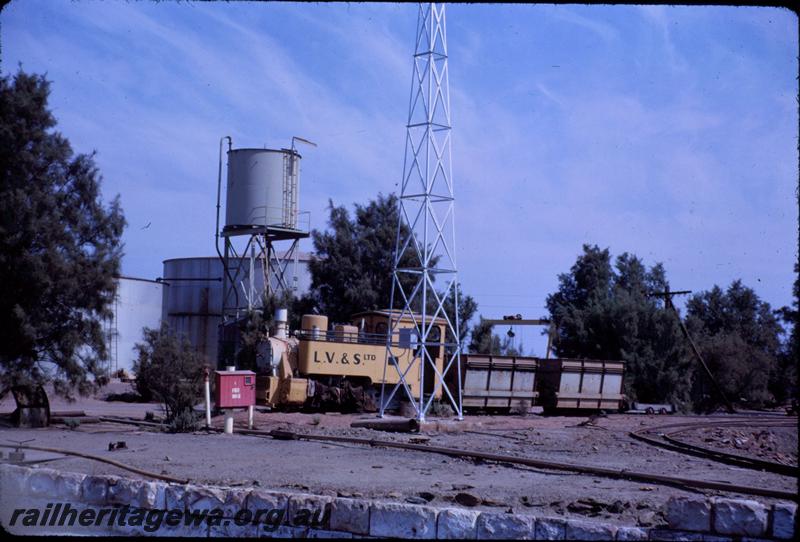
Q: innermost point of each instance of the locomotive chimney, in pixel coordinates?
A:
(281, 327)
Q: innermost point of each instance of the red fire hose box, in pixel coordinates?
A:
(235, 389)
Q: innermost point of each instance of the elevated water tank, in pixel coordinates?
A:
(262, 189)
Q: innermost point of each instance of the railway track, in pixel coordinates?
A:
(593, 470)
(623, 474)
(665, 436)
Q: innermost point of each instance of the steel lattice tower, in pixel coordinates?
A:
(424, 256)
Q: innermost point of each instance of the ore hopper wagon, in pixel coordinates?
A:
(502, 383)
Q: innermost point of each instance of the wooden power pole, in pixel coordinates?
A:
(667, 295)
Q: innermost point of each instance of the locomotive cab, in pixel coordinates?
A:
(357, 351)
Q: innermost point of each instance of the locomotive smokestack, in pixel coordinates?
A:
(281, 317)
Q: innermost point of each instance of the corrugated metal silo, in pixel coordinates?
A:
(193, 301)
(138, 304)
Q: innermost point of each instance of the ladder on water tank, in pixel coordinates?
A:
(290, 189)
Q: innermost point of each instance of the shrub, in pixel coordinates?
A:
(171, 372)
(522, 407)
(440, 409)
(72, 423)
(739, 336)
(185, 421)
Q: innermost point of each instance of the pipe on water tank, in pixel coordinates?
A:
(219, 187)
(219, 192)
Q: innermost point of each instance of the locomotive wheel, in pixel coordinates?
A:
(341, 395)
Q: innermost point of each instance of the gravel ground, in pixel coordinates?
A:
(778, 444)
(95, 405)
(413, 476)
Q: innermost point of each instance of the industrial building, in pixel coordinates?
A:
(188, 297)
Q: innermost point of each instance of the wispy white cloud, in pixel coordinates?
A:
(657, 16)
(550, 95)
(674, 165)
(568, 15)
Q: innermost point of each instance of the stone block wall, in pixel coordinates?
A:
(720, 518)
(163, 509)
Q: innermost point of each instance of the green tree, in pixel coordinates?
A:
(739, 337)
(483, 341)
(253, 331)
(467, 307)
(511, 348)
(169, 370)
(352, 267)
(785, 386)
(351, 270)
(244, 340)
(59, 248)
(604, 312)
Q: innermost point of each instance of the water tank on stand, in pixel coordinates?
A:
(262, 189)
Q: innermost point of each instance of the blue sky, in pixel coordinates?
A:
(669, 132)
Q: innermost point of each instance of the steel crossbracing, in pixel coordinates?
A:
(256, 272)
(425, 243)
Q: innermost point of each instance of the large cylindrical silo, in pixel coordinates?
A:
(138, 304)
(193, 301)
